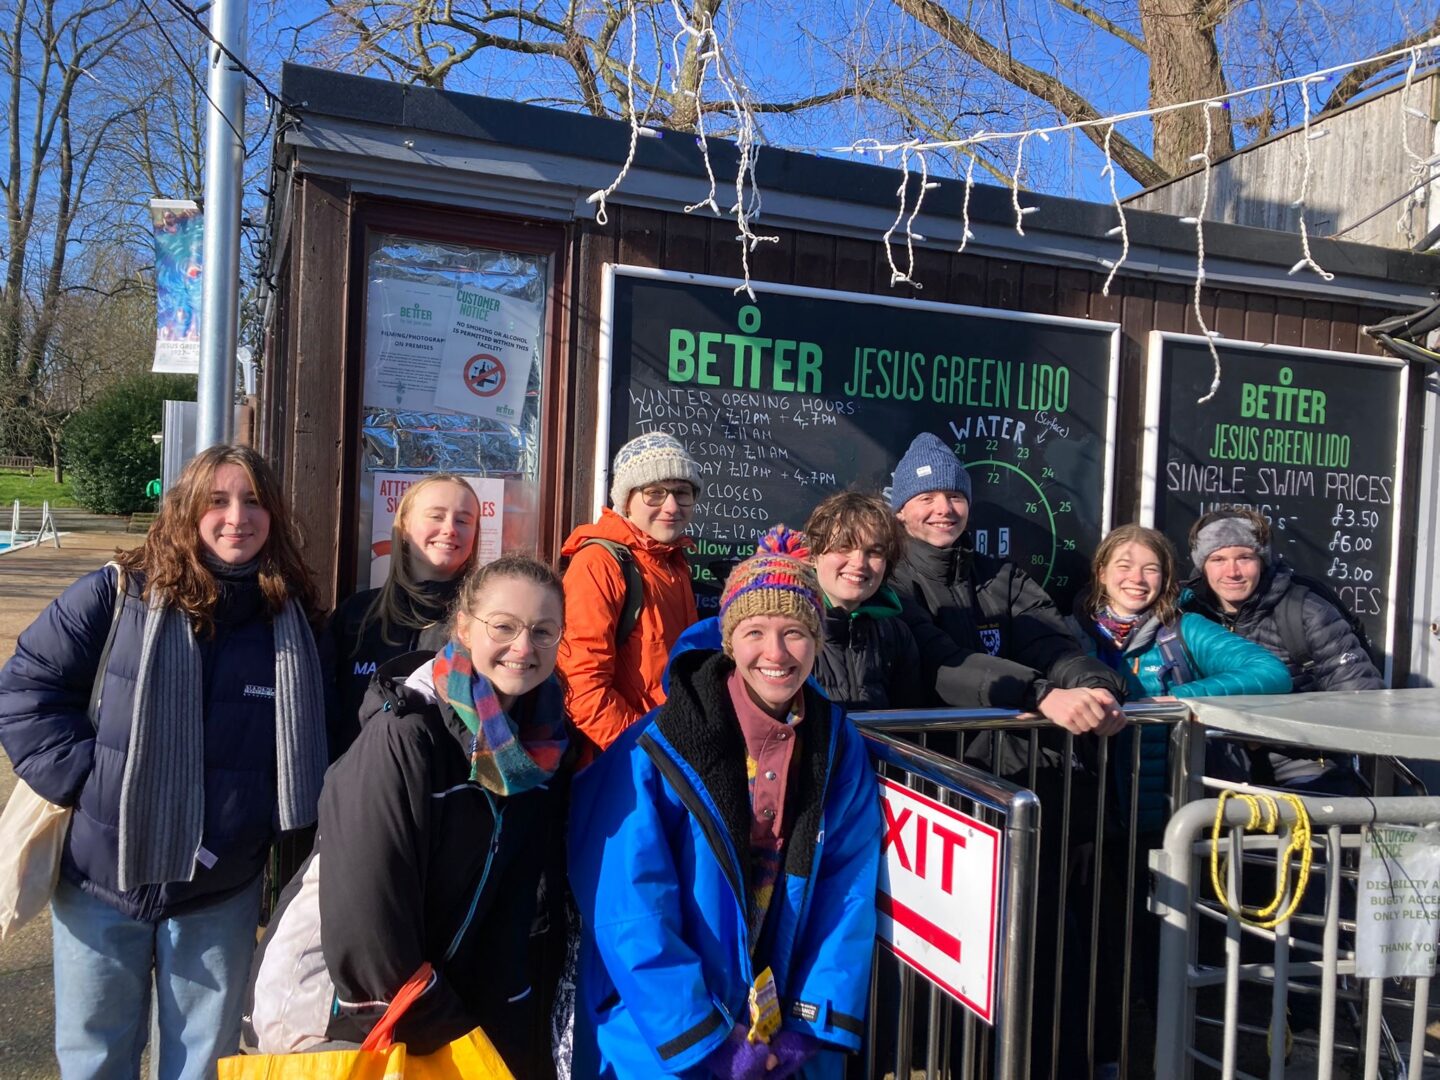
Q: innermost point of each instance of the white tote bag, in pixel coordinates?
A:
(32, 836)
(32, 829)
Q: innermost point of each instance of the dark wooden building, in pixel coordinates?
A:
(387, 194)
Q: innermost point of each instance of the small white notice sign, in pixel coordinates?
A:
(1398, 908)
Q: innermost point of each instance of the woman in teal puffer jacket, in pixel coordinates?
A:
(1130, 619)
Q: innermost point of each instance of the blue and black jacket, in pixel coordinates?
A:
(44, 695)
(1212, 662)
(660, 869)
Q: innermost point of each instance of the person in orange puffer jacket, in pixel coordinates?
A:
(610, 686)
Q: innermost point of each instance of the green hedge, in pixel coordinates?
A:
(108, 448)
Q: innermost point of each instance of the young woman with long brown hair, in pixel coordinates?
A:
(432, 547)
(205, 732)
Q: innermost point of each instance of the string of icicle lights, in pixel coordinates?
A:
(913, 154)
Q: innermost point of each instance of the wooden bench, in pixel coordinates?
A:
(17, 463)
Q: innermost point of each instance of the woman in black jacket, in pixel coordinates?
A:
(431, 548)
(432, 836)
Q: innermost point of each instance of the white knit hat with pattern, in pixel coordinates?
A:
(649, 459)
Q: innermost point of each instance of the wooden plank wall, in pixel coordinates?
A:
(707, 245)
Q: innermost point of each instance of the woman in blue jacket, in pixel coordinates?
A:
(205, 731)
(1130, 618)
(729, 842)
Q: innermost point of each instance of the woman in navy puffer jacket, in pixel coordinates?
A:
(205, 731)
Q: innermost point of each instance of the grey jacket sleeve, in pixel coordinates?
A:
(1339, 661)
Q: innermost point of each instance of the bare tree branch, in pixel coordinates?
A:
(1133, 40)
(1354, 80)
(1037, 83)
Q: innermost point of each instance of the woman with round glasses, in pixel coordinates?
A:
(618, 637)
(433, 831)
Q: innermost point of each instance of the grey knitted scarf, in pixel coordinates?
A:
(162, 795)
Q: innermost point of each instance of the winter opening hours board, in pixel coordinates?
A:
(800, 392)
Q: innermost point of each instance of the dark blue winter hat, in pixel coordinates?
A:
(929, 465)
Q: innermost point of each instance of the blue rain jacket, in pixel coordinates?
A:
(659, 865)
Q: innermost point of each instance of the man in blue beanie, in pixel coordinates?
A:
(990, 637)
(1003, 643)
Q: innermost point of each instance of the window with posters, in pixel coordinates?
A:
(454, 348)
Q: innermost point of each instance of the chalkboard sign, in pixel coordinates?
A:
(800, 393)
(1310, 439)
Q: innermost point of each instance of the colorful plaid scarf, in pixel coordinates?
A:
(507, 756)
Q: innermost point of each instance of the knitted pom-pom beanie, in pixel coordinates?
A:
(649, 459)
(770, 584)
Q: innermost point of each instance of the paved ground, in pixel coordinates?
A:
(30, 579)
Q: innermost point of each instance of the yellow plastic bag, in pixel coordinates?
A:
(32, 836)
(470, 1057)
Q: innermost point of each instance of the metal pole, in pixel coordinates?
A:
(1022, 852)
(224, 189)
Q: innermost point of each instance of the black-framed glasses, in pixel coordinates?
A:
(504, 629)
(656, 494)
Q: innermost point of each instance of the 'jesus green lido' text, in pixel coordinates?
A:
(784, 365)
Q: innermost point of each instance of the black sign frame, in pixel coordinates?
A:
(1108, 346)
(1160, 362)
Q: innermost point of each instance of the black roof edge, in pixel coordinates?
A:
(319, 92)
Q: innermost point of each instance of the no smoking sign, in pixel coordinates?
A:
(484, 375)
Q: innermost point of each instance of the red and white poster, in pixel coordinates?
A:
(488, 355)
(939, 895)
(390, 486)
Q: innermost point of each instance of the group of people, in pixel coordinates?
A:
(449, 731)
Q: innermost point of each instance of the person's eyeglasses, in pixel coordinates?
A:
(656, 494)
(504, 629)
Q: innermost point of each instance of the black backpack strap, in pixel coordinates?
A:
(1178, 668)
(634, 586)
(1290, 618)
(93, 709)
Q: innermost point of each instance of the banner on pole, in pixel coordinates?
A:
(179, 227)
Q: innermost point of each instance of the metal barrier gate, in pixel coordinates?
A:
(937, 747)
(1329, 970)
(977, 793)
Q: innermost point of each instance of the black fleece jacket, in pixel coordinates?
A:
(989, 636)
(419, 864)
(353, 650)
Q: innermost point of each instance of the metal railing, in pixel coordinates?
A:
(1013, 771)
(1308, 955)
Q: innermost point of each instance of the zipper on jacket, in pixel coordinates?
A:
(719, 843)
(499, 814)
(819, 839)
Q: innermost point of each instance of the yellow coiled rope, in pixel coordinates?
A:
(1265, 816)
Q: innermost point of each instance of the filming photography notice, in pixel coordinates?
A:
(939, 895)
(445, 344)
